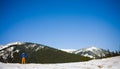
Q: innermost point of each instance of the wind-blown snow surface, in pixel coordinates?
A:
(108, 63)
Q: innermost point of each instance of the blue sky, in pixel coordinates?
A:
(61, 23)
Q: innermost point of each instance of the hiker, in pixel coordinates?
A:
(23, 55)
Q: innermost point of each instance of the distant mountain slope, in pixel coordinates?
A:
(92, 52)
(37, 53)
(68, 50)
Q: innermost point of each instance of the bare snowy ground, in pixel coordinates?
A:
(108, 63)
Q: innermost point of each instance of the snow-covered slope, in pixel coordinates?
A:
(108, 63)
(11, 47)
(17, 43)
(13, 43)
(92, 52)
(68, 50)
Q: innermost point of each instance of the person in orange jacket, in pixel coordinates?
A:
(23, 55)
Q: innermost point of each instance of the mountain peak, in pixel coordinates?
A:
(92, 48)
(92, 52)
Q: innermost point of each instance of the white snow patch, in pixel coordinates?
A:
(92, 48)
(17, 51)
(10, 49)
(2, 47)
(88, 55)
(15, 43)
(68, 50)
(40, 47)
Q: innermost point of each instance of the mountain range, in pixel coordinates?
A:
(37, 53)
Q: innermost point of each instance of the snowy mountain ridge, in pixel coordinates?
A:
(20, 43)
(93, 48)
(92, 52)
(9, 44)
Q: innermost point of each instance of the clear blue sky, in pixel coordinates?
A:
(61, 23)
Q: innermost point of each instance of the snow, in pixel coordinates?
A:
(2, 47)
(40, 47)
(14, 43)
(92, 48)
(107, 63)
(87, 49)
(68, 50)
(87, 55)
(93, 51)
(79, 51)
